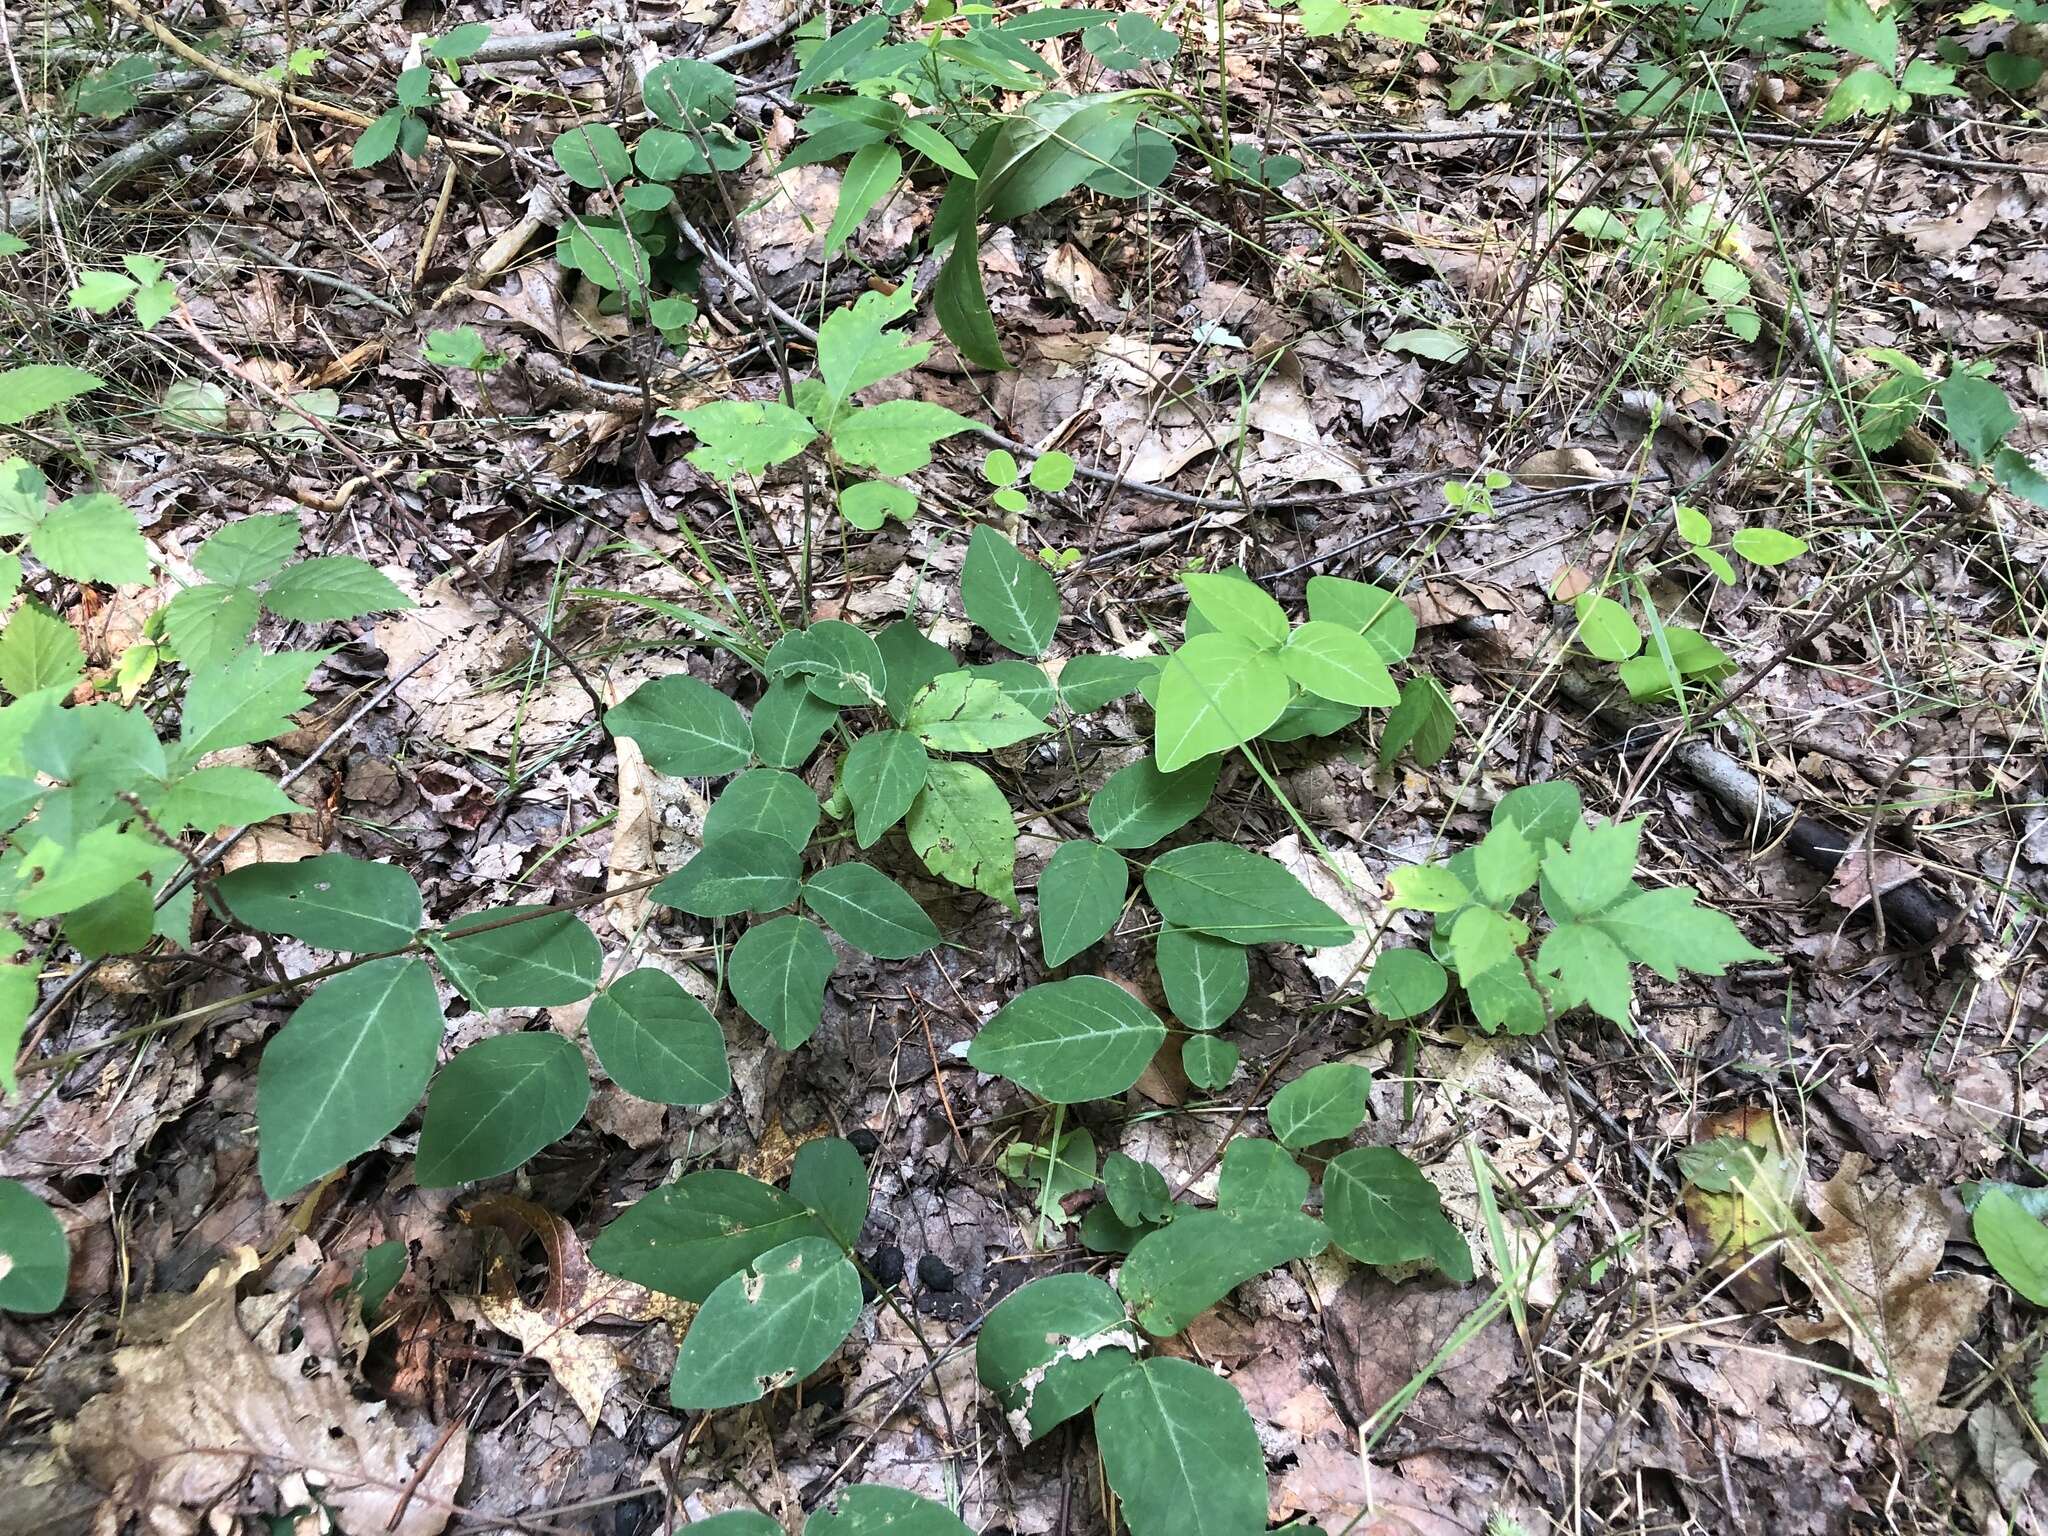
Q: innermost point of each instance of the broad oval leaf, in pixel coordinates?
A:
(882, 774)
(767, 1327)
(961, 827)
(741, 872)
(765, 802)
(1008, 594)
(1325, 1102)
(829, 1177)
(1235, 605)
(35, 1256)
(837, 660)
(1206, 978)
(1180, 1449)
(1138, 805)
(1338, 664)
(684, 1238)
(870, 911)
(777, 972)
(1373, 611)
(1025, 682)
(657, 1042)
(1209, 1061)
(686, 729)
(1089, 682)
(1069, 1041)
(346, 1069)
(331, 902)
(1216, 692)
(789, 722)
(1080, 895)
(959, 712)
(868, 1509)
(496, 1104)
(912, 660)
(542, 961)
(1049, 1348)
(1605, 627)
(1235, 894)
(1179, 1271)
(1405, 983)
(1382, 1209)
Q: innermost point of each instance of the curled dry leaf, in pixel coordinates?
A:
(1556, 469)
(205, 1394)
(1871, 1269)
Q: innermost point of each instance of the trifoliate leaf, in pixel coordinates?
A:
(884, 772)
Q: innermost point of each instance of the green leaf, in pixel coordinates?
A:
(2018, 474)
(1322, 1104)
(1049, 1348)
(207, 625)
(539, 962)
(744, 437)
(854, 347)
(1208, 1061)
(836, 55)
(222, 796)
(883, 773)
(1589, 966)
(331, 902)
(378, 1272)
(1069, 1041)
(1502, 998)
(920, 135)
(1978, 414)
(1873, 34)
(1867, 92)
(1236, 605)
(592, 156)
(870, 176)
(687, 729)
(1051, 1173)
(868, 1509)
(1405, 983)
(375, 143)
(840, 663)
(250, 698)
(1086, 683)
(867, 504)
(1383, 1210)
(657, 1042)
(741, 872)
(1339, 664)
(1080, 896)
(895, 437)
(911, 661)
(1136, 1191)
(1439, 346)
(1025, 683)
(764, 802)
(1605, 627)
(249, 550)
(1505, 862)
(1138, 805)
(961, 827)
(1009, 595)
(460, 42)
(1423, 721)
(346, 1069)
(2015, 1243)
(98, 292)
(960, 303)
(1397, 23)
(1216, 692)
(688, 93)
(1767, 546)
(1181, 1451)
(92, 538)
(38, 650)
(1483, 940)
(1177, 1273)
(777, 972)
(959, 712)
(18, 993)
(29, 391)
(35, 1256)
(1587, 877)
(829, 1177)
(496, 1104)
(767, 1327)
(1205, 978)
(685, 1238)
(332, 587)
(1234, 894)
(870, 911)
(1051, 146)
(1667, 930)
(1546, 812)
(789, 722)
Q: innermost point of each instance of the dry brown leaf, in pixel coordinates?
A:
(1556, 469)
(1864, 874)
(1075, 278)
(1871, 1268)
(205, 1393)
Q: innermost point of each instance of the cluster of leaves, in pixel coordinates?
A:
(1977, 416)
(402, 127)
(1698, 282)
(1601, 922)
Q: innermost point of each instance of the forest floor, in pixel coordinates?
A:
(1309, 365)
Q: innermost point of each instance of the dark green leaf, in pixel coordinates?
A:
(1008, 594)
(1423, 721)
(870, 911)
(540, 962)
(1089, 682)
(883, 773)
(764, 802)
(1136, 1191)
(1069, 1041)
(961, 305)
(684, 727)
(838, 661)
(657, 1042)
(1235, 894)
(830, 1179)
(35, 1256)
(1139, 805)
(789, 722)
(768, 1327)
(778, 972)
(741, 872)
(1322, 1104)
(1080, 894)
(1049, 1348)
(868, 1509)
(1206, 978)
(331, 902)
(1383, 1210)
(684, 1238)
(911, 661)
(1405, 983)
(496, 1104)
(1181, 1452)
(1209, 1061)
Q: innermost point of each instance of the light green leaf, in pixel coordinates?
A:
(18, 992)
(1605, 627)
(539, 962)
(38, 650)
(346, 1069)
(868, 1509)
(789, 722)
(1505, 862)
(1205, 978)
(29, 391)
(1181, 1452)
(961, 827)
(840, 662)
(739, 437)
(1086, 683)
(959, 712)
(657, 1042)
(1216, 692)
(1322, 1104)
(1547, 811)
(1867, 92)
(1025, 683)
(1405, 983)
(883, 774)
(376, 142)
(1767, 546)
(777, 972)
(741, 872)
(854, 348)
(1138, 805)
(207, 625)
(222, 796)
(1667, 930)
(1483, 940)
(1235, 894)
(2018, 474)
(1236, 605)
(2015, 1243)
(867, 504)
(1855, 26)
(1080, 896)
(1373, 611)
(249, 550)
(1339, 664)
(1590, 966)
(1009, 595)
(98, 292)
(764, 802)
(1977, 412)
(1049, 1348)
(1051, 1173)
(895, 437)
(870, 911)
(496, 1104)
(685, 728)
(1396, 23)
(92, 538)
(767, 1327)
(35, 1256)
(592, 156)
(332, 587)
(1437, 345)
(1069, 1041)
(685, 1238)
(1383, 1210)
(250, 698)
(331, 902)
(1596, 869)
